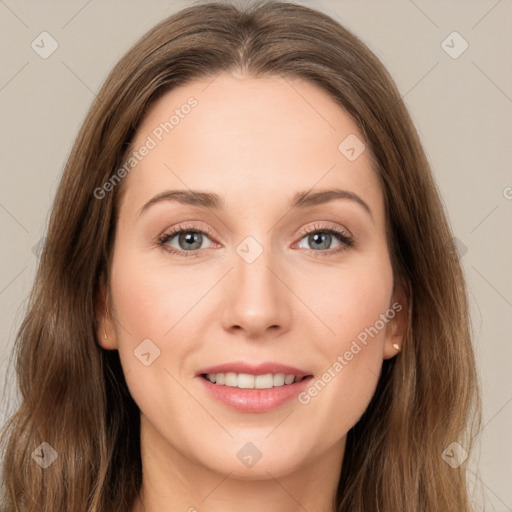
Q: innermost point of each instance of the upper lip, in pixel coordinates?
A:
(254, 369)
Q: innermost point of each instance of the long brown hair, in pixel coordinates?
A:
(73, 393)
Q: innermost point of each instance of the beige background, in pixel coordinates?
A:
(462, 108)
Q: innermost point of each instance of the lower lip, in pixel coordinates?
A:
(255, 400)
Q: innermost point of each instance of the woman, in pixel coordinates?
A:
(310, 349)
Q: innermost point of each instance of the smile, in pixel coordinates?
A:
(249, 381)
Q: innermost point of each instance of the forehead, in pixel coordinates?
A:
(262, 137)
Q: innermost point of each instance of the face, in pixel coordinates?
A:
(254, 275)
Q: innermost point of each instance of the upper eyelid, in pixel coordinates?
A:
(209, 232)
(325, 227)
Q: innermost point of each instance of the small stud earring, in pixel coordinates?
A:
(396, 347)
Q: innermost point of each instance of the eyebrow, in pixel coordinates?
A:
(303, 199)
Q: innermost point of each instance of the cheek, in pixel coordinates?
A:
(348, 299)
(151, 296)
(150, 304)
(352, 304)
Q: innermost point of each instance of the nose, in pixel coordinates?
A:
(258, 300)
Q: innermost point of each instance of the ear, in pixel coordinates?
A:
(397, 325)
(106, 332)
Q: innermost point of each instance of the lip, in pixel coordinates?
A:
(254, 400)
(254, 369)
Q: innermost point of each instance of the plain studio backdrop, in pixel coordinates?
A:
(451, 62)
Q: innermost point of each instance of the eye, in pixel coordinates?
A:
(320, 239)
(189, 239)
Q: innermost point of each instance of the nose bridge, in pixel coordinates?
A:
(256, 297)
(252, 262)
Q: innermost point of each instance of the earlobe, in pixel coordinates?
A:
(105, 332)
(108, 343)
(393, 343)
(397, 327)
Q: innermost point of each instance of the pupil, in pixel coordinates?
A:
(317, 237)
(189, 239)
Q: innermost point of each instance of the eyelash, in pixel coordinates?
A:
(342, 236)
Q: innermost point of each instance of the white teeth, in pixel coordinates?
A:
(248, 381)
(263, 381)
(289, 379)
(230, 379)
(245, 381)
(279, 379)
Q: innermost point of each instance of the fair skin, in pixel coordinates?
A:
(255, 142)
